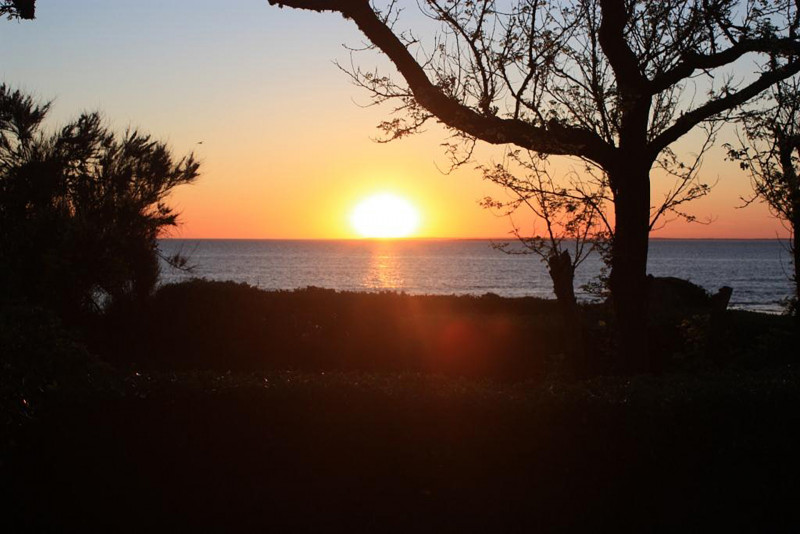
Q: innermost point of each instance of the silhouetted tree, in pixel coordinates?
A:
(770, 151)
(80, 209)
(18, 9)
(570, 223)
(572, 217)
(615, 82)
(576, 208)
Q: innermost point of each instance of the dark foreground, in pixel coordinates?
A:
(404, 453)
(709, 444)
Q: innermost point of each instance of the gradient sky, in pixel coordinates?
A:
(287, 151)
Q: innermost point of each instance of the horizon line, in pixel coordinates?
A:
(777, 238)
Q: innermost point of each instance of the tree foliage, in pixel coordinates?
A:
(561, 77)
(570, 223)
(18, 9)
(770, 151)
(570, 214)
(81, 208)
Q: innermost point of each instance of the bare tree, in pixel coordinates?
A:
(570, 215)
(575, 209)
(614, 82)
(570, 223)
(770, 151)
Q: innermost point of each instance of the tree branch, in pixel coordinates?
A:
(553, 138)
(713, 107)
(694, 62)
(612, 40)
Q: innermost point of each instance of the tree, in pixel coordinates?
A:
(614, 82)
(80, 209)
(570, 223)
(770, 151)
(572, 216)
(573, 219)
(18, 9)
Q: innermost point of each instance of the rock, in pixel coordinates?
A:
(720, 299)
(670, 293)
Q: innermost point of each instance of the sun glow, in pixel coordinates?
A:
(385, 215)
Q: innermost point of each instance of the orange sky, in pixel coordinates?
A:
(286, 150)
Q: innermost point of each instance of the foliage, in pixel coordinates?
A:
(570, 70)
(339, 451)
(573, 214)
(208, 325)
(18, 9)
(223, 325)
(39, 358)
(576, 209)
(770, 151)
(81, 208)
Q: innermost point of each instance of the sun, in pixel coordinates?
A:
(385, 215)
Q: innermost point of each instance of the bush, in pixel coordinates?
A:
(224, 325)
(38, 356)
(80, 209)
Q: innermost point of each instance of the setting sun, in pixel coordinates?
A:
(385, 215)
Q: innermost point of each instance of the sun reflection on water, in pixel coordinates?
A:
(384, 271)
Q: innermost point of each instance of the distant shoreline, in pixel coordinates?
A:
(428, 239)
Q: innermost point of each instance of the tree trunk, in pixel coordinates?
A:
(562, 273)
(559, 264)
(795, 224)
(788, 145)
(628, 282)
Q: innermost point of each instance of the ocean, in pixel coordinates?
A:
(757, 270)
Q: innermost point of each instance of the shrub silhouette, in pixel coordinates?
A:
(228, 326)
(80, 209)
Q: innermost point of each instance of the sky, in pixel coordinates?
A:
(285, 140)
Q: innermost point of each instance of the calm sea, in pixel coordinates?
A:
(756, 269)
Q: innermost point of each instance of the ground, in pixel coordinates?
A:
(219, 407)
(380, 453)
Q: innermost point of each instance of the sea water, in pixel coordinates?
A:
(757, 270)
